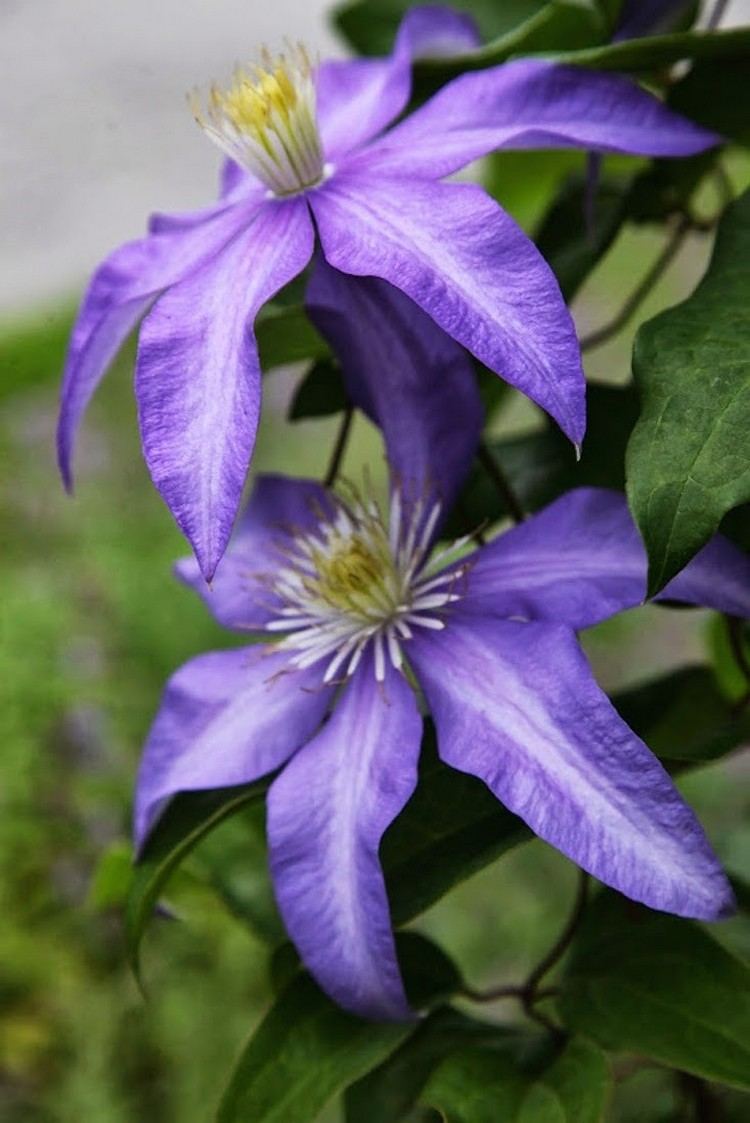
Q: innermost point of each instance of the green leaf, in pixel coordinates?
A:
(688, 460)
(714, 94)
(285, 335)
(574, 1089)
(187, 820)
(658, 51)
(541, 465)
(430, 976)
(684, 718)
(563, 37)
(320, 392)
(450, 828)
(479, 1084)
(305, 1050)
(389, 1091)
(659, 986)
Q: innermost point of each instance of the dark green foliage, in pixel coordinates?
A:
(688, 461)
(306, 1049)
(451, 827)
(684, 718)
(320, 393)
(660, 987)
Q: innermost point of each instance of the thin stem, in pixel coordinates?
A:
(339, 447)
(641, 291)
(561, 944)
(716, 15)
(529, 992)
(502, 486)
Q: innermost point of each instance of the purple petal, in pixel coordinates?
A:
(239, 595)
(198, 375)
(359, 97)
(581, 560)
(327, 812)
(228, 717)
(411, 378)
(517, 706)
(120, 292)
(456, 253)
(531, 103)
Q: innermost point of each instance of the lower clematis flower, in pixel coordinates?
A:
(311, 154)
(358, 607)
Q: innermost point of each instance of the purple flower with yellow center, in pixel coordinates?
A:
(311, 154)
(358, 607)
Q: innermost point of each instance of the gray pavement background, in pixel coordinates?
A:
(94, 127)
(95, 131)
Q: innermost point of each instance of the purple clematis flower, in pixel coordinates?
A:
(347, 598)
(310, 152)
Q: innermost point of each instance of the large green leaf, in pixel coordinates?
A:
(558, 33)
(305, 1050)
(714, 93)
(684, 718)
(661, 987)
(575, 1088)
(688, 460)
(188, 819)
(388, 1092)
(469, 1068)
(451, 827)
(477, 1084)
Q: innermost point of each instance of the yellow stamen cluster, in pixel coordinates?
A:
(266, 121)
(362, 579)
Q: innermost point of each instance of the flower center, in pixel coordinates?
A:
(359, 579)
(266, 121)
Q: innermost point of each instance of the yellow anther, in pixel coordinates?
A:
(266, 120)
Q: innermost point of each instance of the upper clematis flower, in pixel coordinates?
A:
(310, 151)
(347, 596)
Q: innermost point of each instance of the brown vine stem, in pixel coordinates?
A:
(640, 292)
(339, 447)
(530, 992)
(499, 479)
